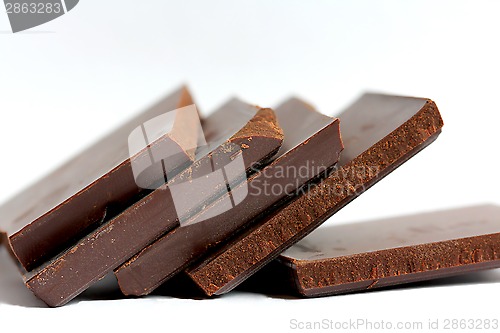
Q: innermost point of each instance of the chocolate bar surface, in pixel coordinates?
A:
(59, 209)
(312, 145)
(374, 254)
(236, 125)
(380, 132)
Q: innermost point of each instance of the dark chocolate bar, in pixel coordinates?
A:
(363, 256)
(311, 146)
(380, 133)
(236, 130)
(50, 215)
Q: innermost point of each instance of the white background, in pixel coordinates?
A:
(66, 83)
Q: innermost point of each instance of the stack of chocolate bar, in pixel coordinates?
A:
(219, 199)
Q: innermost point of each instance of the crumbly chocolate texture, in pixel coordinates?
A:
(312, 144)
(55, 212)
(363, 256)
(119, 238)
(380, 133)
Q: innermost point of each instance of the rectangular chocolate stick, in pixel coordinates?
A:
(236, 132)
(47, 217)
(311, 146)
(380, 133)
(362, 256)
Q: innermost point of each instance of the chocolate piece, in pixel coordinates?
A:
(235, 125)
(362, 256)
(380, 133)
(311, 146)
(47, 217)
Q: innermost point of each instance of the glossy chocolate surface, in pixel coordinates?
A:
(48, 216)
(311, 146)
(235, 124)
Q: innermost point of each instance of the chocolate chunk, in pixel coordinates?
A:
(362, 256)
(50, 215)
(311, 146)
(380, 133)
(234, 125)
